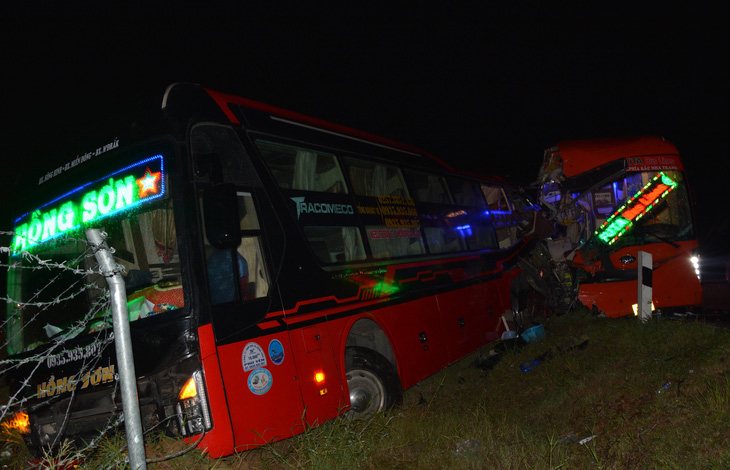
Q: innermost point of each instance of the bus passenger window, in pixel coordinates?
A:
(375, 179)
(481, 235)
(466, 193)
(388, 242)
(444, 239)
(335, 244)
(301, 168)
(428, 188)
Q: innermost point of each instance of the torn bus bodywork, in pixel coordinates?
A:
(609, 199)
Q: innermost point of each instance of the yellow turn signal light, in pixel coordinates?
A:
(189, 390)
(18, 421)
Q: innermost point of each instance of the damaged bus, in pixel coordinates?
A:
(611, 199)
(280, 271)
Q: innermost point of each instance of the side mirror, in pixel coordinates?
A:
(222, 221)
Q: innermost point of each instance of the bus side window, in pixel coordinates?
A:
(335, 244)
(301, 168)
(428, 188)
(375, 179)
(502, 215)
(240, 273)
(465, 193)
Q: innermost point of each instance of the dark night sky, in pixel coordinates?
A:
(487, 88)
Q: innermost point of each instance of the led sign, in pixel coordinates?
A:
(114, 193)
(635, 208)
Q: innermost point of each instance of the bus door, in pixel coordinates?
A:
(256, 360)
(254, 357)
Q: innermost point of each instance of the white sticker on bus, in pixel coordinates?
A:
(253, 357)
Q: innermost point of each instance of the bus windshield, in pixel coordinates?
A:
(639, 209)
(145, 249)
(131, 207)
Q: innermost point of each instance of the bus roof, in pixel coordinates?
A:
(224, 100)
(579, 156)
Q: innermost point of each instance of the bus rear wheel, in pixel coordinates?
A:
(526, 302)
(372, 381)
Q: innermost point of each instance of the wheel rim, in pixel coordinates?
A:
(367, 393)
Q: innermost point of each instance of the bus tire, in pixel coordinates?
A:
(519, 291)
(372, 381)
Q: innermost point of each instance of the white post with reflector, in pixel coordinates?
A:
(644, 286)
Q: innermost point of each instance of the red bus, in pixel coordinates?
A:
(612, 198)
(280, 271)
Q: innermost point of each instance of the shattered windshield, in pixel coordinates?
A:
(638, 209)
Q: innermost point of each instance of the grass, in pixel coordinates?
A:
(608, 394)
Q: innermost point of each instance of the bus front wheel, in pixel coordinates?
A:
(373, 382)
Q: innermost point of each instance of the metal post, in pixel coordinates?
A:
(123, 345)
(644, 286)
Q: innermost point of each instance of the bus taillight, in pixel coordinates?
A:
(193, 412)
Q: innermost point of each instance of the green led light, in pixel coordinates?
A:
(117, 192)
(621, 221)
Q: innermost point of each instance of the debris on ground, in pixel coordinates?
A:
(466, 448)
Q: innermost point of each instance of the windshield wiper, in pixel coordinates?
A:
(660, 238)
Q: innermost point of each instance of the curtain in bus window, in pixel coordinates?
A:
(258, 281)
(301, 168)
(163, 231)
(374, 179)
(251, 249)
(352, 243)
(305, 166)
(380, 176)
(360, 178)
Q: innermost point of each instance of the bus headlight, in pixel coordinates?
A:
(696, 264)
(18, 422)
(193, 412)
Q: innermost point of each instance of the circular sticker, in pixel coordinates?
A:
(253, 357)
(276, 351)
(259, 381)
